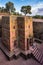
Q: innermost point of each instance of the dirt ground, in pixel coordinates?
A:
(20, 60)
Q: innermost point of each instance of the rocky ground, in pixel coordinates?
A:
(20, 60)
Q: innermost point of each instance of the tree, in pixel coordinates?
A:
(38, 16)
(26, 9)
(0, 9)
(10, 7)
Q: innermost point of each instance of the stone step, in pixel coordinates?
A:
(41, 61)
(38, 54)
(34, 50)
(16, 51)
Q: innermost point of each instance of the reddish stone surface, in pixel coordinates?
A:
(19, 61)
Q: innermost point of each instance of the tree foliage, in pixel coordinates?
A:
(26, 9)
(10, 7)
(2, 9)
(38, 16)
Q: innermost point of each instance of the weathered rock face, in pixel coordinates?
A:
(1, 14)
(0, 26)
(38, 29)
(9, 31)
(17, 31)
(25, 30)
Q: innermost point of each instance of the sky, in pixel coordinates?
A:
(36, 5)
